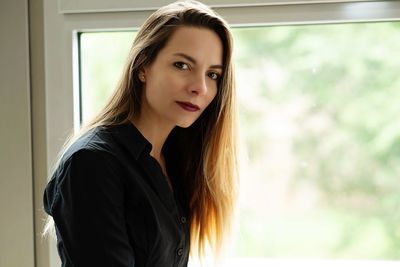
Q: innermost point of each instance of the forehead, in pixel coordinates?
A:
(202, 44)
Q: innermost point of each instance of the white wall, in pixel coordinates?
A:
(16, 197)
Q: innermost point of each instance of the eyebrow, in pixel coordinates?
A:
(192, 60)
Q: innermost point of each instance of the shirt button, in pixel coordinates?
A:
(180, 251)
(183, 219)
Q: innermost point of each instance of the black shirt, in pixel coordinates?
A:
(112, 205)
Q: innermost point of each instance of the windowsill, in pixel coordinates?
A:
(262, 262)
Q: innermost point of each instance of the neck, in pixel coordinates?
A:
(155, 133)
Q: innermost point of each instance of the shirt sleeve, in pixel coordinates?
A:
(89, 212)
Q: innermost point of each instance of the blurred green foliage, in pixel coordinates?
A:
(341, 85)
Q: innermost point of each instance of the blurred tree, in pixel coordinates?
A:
(346, 138)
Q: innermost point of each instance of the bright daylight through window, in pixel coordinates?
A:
(320, 136)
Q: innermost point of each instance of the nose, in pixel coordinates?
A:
(198, 85)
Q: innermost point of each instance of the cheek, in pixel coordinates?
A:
(157, 87)
(170, 84)
(211, 97)
(213, 93)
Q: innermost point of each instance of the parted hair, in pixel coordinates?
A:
(207, 149)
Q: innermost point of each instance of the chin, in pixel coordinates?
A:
(185, 124)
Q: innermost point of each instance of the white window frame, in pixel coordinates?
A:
(62, 22)
(87, 6)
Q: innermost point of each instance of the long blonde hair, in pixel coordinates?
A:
(207, 149)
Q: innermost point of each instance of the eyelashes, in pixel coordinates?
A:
(213, 75)
(181, 65)
(184, 66)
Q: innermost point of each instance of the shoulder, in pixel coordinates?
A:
(96, 141)
(95, 150)
(88, 167)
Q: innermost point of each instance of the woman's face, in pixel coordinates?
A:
(182, 80)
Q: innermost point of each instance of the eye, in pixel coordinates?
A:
(215, 76)
(181, 65)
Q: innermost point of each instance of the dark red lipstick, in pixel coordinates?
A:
(188, 106)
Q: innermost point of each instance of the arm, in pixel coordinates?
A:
(89, 212)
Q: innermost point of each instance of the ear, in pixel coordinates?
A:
(142, 75)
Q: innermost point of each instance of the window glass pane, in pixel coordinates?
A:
(318, 113)
(102, 56)
(320, 136)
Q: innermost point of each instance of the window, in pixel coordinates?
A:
(319, 138)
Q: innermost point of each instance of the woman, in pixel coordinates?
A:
(152, 176)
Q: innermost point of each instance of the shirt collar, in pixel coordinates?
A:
(132, 139)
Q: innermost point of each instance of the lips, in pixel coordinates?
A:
(188, 106)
